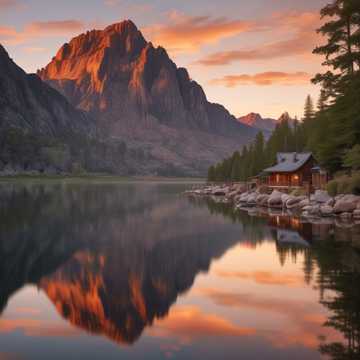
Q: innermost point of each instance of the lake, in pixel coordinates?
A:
(135, 270)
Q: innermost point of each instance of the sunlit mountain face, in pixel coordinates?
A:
(148, 271)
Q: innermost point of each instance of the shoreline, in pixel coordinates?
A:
(98, 178)
(319, 207)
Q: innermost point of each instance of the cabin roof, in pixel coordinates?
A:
(289, 162)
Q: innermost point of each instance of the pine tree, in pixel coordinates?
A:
(337, 130)
(236, 167)
(258, 156)
(309, 112)
(321, 105)
(342, 50)
(211, 174)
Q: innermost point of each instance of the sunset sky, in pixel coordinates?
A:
(248, 55)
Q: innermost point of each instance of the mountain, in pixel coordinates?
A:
(255, 120)
(37, 124)
(286, 117)
(27, 102)
(137, 94)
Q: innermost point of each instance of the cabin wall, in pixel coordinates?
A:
(301, 177)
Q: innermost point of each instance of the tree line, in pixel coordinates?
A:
(75, 153)
(331, 130)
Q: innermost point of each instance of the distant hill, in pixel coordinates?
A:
(255, 120)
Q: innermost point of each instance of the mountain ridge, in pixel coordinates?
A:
(265, 124)
(134, 98)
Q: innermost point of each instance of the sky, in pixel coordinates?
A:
(248, 55)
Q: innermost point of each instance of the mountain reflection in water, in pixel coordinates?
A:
(114, 259)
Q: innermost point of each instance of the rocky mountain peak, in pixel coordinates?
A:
(257, 121)
(137, 93)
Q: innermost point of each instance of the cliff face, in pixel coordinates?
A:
(137, 93)
(28, 103)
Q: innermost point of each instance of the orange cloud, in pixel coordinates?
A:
(11, 36)
(189, 323)
(306, 319)
(55, 27)
(7, 32)
(303, 38)
(264, 277)
(188, 33)
(264, 79)
(33, 327)
(7, 4)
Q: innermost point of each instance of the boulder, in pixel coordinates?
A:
(338, 197)
(312, 209)
(307, 207)
(243, 197)
(232, 194)
(219, 191)
(285, 198)
(240, 188)
(294, 201)
(261, 197)
(237, 199)
(321, 196)
(304, 203)
(275, 199)
(356, 214)
(330, 202)
(347, 203)
(326, 210)
(264, 201)
(251, 199)
(345, 216)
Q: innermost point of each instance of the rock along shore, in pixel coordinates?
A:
(316, 206)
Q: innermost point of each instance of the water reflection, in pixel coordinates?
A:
(122, 257)
(114, 259)
(326, 245)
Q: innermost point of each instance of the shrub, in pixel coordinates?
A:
(354, 184)
(344, 185)
(298, 192)
(332, 187)
(263, 189)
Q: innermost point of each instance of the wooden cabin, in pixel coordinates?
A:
(320, 178)
(291, 170)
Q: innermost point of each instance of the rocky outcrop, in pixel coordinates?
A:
(28, 103)
(137, 94)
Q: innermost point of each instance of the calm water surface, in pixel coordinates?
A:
(136, 271)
